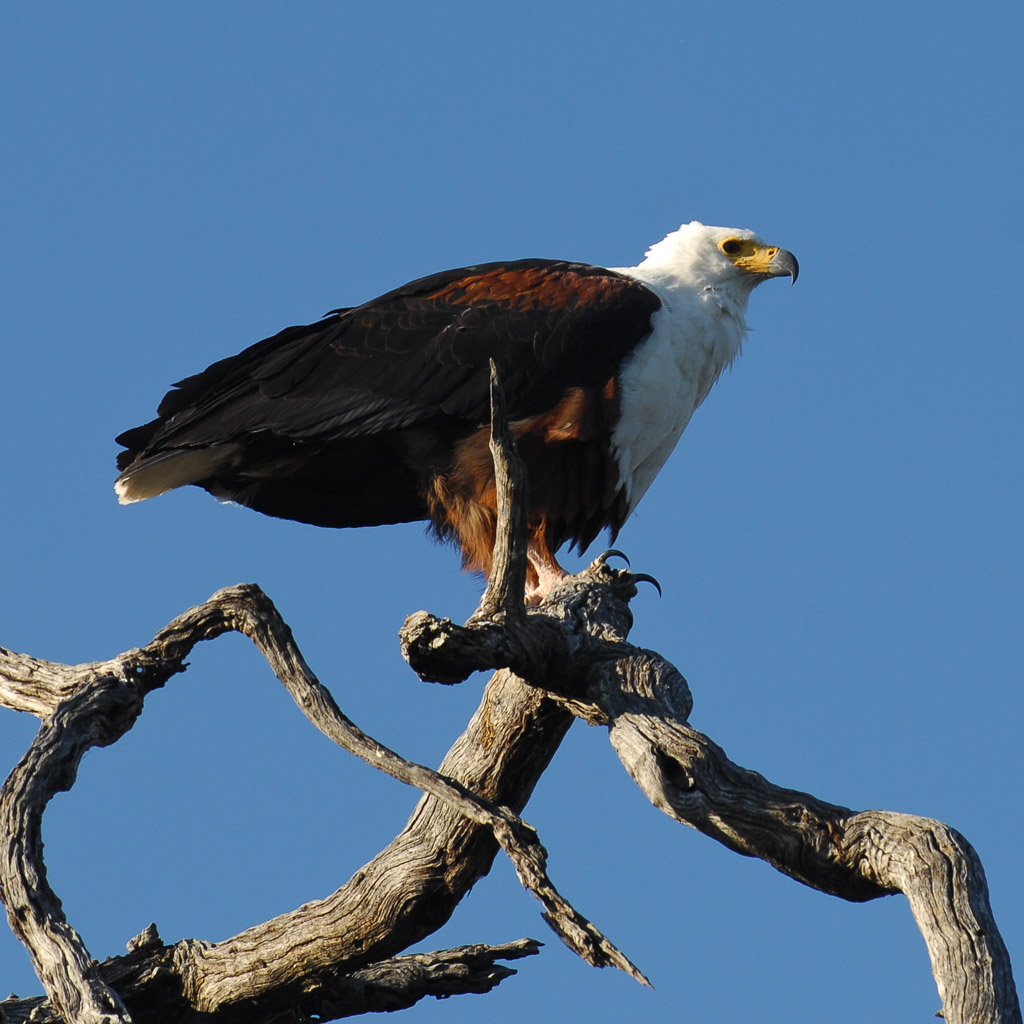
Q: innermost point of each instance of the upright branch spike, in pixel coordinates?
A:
(506, 584)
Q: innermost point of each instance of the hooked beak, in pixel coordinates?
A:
(771, 261)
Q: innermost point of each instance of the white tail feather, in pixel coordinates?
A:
(167, 470)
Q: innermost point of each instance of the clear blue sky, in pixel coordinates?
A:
(839, 534)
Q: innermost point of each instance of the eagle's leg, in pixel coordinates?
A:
(543, 573)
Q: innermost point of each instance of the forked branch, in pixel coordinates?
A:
(108, 698)
(338, 956)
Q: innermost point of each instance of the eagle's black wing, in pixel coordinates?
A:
(414, 357)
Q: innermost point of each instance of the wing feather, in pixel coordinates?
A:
(414, 356)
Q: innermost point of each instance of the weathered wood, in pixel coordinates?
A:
(506, 582)
(379, 912)
(394, 984)
(105, 705)
(40, 687)
(337, 957)
(856, 856)
(399, 897)
(645, 702)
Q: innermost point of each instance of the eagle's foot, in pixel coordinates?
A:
(601, 562)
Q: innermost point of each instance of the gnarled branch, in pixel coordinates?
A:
(645, 702)
(367, 919)
(337, 956)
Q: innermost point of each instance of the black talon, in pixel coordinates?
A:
(602, 559)
(642, 577)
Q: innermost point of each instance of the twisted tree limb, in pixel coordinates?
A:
(379, 912)
(394, 984)
(408, 891)
(645, 702)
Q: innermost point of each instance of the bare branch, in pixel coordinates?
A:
(94, 716)
(394, 984)
(506, 582)
(104, 708)
(645, 702)
(337, 957)
(40, 687)
(856, 856)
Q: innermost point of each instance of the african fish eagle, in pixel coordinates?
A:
(379, 413)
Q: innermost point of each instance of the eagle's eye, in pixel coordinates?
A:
(731, 247)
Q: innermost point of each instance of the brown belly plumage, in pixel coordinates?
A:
(573, 481)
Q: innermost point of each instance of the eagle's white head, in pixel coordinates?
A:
(729, 261)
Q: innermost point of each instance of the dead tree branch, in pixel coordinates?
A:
(337, 957)
(394, 984)
(339, 933)
(645, 702)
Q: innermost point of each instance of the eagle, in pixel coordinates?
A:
(380, 413)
